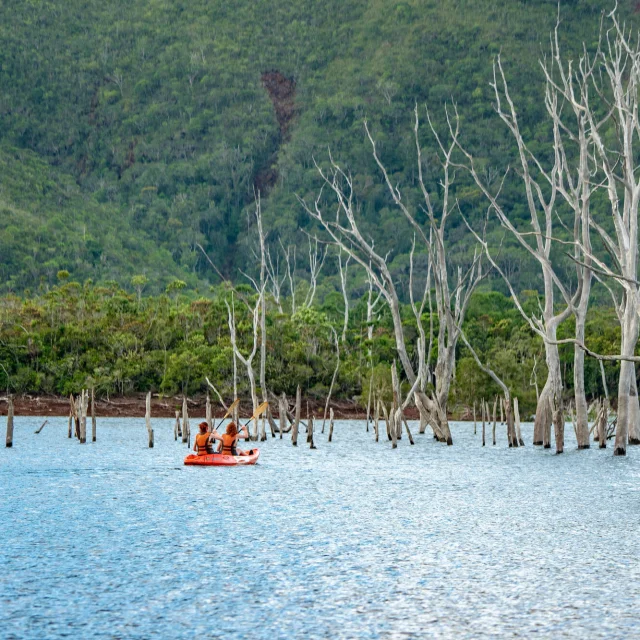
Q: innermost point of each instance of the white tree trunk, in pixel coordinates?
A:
(626, 402)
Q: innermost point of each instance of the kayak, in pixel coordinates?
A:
(218, 460)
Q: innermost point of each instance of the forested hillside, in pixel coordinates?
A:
(133, 130)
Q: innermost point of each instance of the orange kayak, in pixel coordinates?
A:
(218, 460)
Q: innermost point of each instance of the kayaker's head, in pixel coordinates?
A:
(203, 427)
(232, 430)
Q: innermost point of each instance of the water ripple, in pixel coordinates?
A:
(113, 540)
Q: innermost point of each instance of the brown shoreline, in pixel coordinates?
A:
(166, 406)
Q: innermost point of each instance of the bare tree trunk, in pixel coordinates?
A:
(208, 416)
(634, 410)
(93, 416)
(475, 424)
(484, 414)
(310, 433)
(176, 429)
(333, 379)
(376, 420)
(552, 387)
(185, 421)
(330, 425)
(296, 421)
(9, 440)
(282, 411)
(72, 410)
(626, 402)
(83, 417)
(558, 423)
(511, 430)
(516, 411)
(602, 424)
(147, 419)
(406, 424)
(386, 420)
(369, 399)
(495, 412)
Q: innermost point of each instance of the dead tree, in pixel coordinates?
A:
(511, 430)
(539, 204)
(333, 378)
(344, 231)
(247, 360)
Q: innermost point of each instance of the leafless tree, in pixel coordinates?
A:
(451, 302)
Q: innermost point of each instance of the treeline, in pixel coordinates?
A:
(78, 336)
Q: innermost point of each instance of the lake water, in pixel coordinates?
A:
(352, 540)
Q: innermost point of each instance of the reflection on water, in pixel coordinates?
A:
(353, 540)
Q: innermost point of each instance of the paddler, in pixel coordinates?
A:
(204, 440)
(230, 439)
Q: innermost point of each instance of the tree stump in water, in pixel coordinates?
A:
(176, 428)
(483, 422)
(495, 408)
(558, 424)
(208, 417)
(475, 425)
(330, 424)
(185, 422)
(147, 419)
(516, 413)
(310, 432)
(84, 400)
(602, 424)
(9, 441)
(93, 416)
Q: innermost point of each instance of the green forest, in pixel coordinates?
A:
(79, 336)
(136, 137)
(131, 131)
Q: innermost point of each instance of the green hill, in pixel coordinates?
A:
(132, 130)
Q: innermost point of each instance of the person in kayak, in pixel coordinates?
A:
(204, 442)
(230, 438)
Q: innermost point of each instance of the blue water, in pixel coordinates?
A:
(352, 540)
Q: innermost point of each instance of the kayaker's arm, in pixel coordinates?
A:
(244, 434)
(215, 436)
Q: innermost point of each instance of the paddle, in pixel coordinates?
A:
(257, 413)
(232, 406)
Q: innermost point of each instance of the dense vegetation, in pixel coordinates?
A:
(132, 130)
(76, 336)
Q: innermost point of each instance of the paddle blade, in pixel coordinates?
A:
(260, 410)
(232, 406)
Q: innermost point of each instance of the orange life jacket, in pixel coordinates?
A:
(202, 444)
(229, 445)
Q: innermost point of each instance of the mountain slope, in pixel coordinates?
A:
(167, 114)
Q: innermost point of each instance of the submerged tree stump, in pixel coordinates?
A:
(84, 401)
(602, 424)
(330, 424)
(9, 441)
(495, 407)
(176, 427)
(483, 422)
(558, 423)
(93, 416)
(185, 422)
(147, 419)
(310, 433)
(516, 413)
